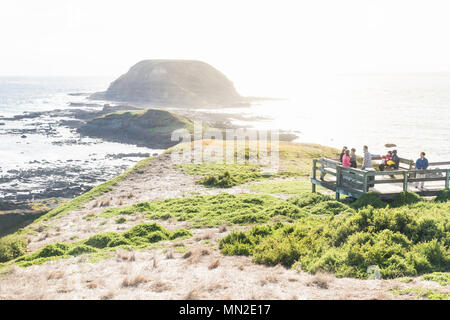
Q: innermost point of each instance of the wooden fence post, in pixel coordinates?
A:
(338, 181)
(314, 168)
(447, 180)
(405, 182)
(366, 183)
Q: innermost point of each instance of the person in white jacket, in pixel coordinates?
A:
(367, 161)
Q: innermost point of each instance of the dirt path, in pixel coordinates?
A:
(166, 272)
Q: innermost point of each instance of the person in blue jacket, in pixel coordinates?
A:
(421, 164)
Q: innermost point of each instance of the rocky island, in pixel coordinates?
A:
(150, 128)
(181, 83)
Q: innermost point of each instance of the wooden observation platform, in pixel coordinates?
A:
(388, 184)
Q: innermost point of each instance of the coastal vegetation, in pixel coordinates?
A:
(213, 210)
(406, 240)
(295, 160)
(149, 127)
(138, 237)
(278, 222)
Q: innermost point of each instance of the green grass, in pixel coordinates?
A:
(423, 293)
(283, 187)
(213, 210)
(405, 241)
(138, 237)
(295, 160)
(223, 175)
(443, 278)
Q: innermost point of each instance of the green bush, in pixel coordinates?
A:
(81, 249)
(308, 199)
(143, 230)
(403, 241)
(214, 210)
(443, 196)
(330, 207)
(223, 175)
(405, 198)
(137, 237)
(12, 247)
(369, 199)
(443, 278)
(101, 240)
(180, 233)
(224, 180)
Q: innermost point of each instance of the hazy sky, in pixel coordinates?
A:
(255, 43)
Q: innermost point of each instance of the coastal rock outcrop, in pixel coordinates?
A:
(185, 83)
(150, 128)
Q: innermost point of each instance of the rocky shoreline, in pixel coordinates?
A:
(41, 179)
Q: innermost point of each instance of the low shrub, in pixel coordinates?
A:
(139, 236)
(405, 198)
(81, 249)
(443, 196)
(369, 199)
(101, 240)
(330, 207)
(404, 241)
(12, 247)
(224, 180)
(214, 210)
(443, 278)
(308, 199)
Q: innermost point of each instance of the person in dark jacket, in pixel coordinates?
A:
(342, 154)
(421, 165)
(396, 160)
(353, 163)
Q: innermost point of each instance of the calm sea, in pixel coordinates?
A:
(409, 110)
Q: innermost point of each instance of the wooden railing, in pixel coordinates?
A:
(354, 182)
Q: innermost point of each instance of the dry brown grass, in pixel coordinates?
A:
(271, 278)
(223, 228)
(134, 281)
(123, 255)
(194, 294)
(320, 280)
(105, 202)
(55, 275)
(107, 296)
(160, 286)
(214, 264)
(204, 236)
(91, 285)
(195, 255)
(169, 254)
(119, 202)
(155, 262)
(187, 254)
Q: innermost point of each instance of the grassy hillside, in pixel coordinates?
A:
(274, 219)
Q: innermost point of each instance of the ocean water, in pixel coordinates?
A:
(39, 155)
(409, 110)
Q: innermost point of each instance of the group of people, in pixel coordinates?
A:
(348, 158)
(391, 160)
